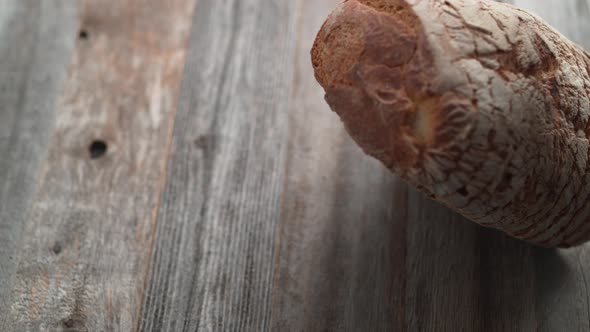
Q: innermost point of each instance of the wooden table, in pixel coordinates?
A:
(172, 166)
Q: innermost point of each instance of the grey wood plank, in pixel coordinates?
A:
(466, 278)
(342, 239)
(272, 218)
(35, 47)
(213, 256)
(85, 250)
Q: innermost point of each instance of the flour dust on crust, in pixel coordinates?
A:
(478, 104)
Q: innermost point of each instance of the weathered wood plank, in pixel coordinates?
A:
(271, 217)
(213, 256)
(86, 248)
(35, 47)
(341, 244)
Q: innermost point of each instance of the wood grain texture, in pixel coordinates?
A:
(213, 255)
(249, 208)
(35, 47)
(83, 259)
(342, 239)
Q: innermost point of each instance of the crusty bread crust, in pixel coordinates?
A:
(478, 104)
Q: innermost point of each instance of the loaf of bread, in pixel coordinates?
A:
(478, 104)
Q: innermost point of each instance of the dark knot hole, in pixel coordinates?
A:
(83, 34)
(97, 149)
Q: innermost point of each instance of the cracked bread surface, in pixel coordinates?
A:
(480, 105)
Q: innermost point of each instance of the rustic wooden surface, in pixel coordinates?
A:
(229, 197)
(35, 47)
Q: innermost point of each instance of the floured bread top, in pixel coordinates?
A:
(478, 104)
